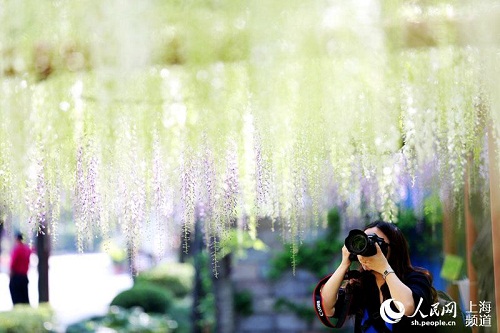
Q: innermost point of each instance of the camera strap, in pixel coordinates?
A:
(344, 299)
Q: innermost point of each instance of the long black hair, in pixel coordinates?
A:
(399, 254)
(399, 260)
(364, 287)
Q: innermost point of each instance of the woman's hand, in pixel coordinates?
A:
(329, 292)
(377, 263)
(345, 257)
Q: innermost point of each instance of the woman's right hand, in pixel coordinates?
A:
(345, 256)
(329, 292)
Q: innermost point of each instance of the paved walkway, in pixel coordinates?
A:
(80, 286)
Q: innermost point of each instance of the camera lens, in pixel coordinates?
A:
(357, 241)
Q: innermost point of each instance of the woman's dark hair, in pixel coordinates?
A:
(399, 260)
(399, 254)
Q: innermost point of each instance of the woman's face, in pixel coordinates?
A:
(377, 232)
(380, 234)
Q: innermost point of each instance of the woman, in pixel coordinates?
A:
(383, 278)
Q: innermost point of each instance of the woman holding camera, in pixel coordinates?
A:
(385, 274)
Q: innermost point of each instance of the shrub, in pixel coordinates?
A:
(243, 303)
(315, 257)
(122, 320)
(151, 298)
(181, 312)
(176, 277)
(25, 319)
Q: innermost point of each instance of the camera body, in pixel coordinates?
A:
(359, 243)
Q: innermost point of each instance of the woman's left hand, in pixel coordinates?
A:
(377, 262)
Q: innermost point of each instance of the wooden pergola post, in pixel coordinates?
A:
(471, 236)
(495, 216)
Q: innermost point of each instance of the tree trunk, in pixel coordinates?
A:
(198, 292)
(224, 297)
(43, 252)
(131, 258)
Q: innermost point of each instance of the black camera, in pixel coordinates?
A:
(359, 243)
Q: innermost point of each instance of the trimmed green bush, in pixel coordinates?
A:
(151, 298)
(26, 319)
(176, 277)
(121, 320)
(181, 312)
